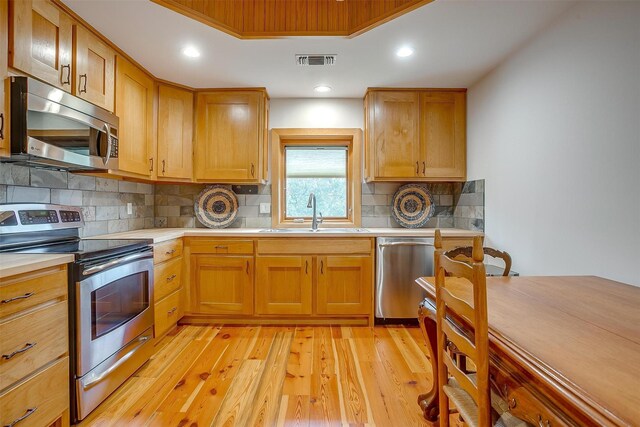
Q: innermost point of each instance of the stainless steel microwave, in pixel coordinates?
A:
(51, 128)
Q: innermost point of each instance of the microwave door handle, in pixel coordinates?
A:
(98, 268)
(108, 156)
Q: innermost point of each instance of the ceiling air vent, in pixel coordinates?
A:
(305, 60)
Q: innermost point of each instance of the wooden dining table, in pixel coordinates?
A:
(564, 350)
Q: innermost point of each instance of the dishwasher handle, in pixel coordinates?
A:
(384, 245)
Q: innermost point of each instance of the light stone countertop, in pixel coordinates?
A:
(157, 235)
(13, 264)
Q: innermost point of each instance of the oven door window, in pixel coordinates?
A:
(118, 302)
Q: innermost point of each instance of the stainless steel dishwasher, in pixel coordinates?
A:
(400, 261)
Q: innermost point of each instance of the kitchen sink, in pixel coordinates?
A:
(320, 230)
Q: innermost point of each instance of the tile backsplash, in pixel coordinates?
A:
(456, 205)
(103, 201)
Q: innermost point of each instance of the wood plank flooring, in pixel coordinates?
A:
(275, 376)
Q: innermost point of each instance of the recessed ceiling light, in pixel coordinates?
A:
(191, 52)
(322, 89)
(405, 51)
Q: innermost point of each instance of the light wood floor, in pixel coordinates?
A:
(275, 376)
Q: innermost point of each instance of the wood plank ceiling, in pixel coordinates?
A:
(255, 19)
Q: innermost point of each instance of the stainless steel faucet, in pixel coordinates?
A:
(314, 220)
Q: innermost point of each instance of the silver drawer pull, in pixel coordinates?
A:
(221, 247)
(25, 296)
(170, 278)
(173, 310)
(27, 346)
(171, 252)
(29, 412)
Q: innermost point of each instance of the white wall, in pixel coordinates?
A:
(555, 131)
(316, 113)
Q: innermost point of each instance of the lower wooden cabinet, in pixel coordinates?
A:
(168, 291)
(284, 285)
(344, 285)
(222, 284)
(34, 367)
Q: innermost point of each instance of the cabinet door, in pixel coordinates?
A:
(283, 284)
(443, 134)
(4, 93)
(395, 133)
(175, 132)
(94, 69)
(134, 107)
(222, 284)
(228, 136)
(41, 41)
(344, 285)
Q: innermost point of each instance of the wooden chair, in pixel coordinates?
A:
(469, 392)
(466, 252)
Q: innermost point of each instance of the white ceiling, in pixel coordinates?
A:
(455, 42)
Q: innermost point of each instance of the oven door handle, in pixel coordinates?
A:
(94, 381)
(123, 260)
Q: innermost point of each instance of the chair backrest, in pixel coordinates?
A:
(448, 308)
(466, 251)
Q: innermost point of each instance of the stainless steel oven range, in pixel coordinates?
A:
(110, 297)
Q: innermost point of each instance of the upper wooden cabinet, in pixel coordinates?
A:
(93, 69)
(415, 135)
(230, 138)
(4, 92)
(41, 42)
(134, 107)
(175, 133)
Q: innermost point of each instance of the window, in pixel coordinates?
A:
(321, 170)
(325, 162)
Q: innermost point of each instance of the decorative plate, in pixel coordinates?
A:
(412, 206)
(216, 206)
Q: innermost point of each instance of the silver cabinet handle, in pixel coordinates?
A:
(170, 278)
(29, 412)
(417, 168)
(173, 310)
(25, 296)
(115, 262)
(68, 68)
(116, 365)
(321, 267)
(171, 252)
(247, 267)
(163, 162)
(252, 170)
(150, 164)
(221, 247)
(27, 346)
(1, 125)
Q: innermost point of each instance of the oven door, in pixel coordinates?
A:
(113, 307)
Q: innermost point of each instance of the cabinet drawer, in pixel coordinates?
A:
(167, 313)
(31, 341)
(218, 246)
(314, 246)
(167, 250)
(167, 278)
(45, 397)
(24, 291)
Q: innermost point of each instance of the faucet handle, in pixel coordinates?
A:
(320, 219)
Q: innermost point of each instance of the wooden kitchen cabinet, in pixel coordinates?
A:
(4, 82)
(222, 284)
(415, 135)
(41, 42)
(175, 133)
(135, 108)
(94, 69)
(230, 137)
(344, 285)
(443, 134)
(34, 345)
(168, 286)
(284, 285)
(394, 134)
